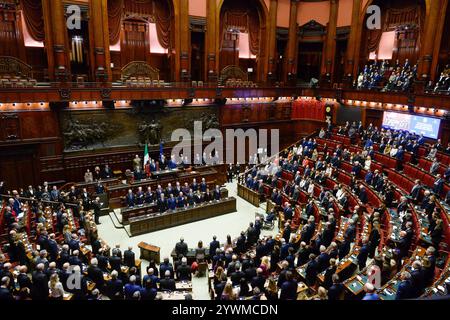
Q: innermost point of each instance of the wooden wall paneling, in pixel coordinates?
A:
(272, 39)
(330, 43)
(56, 40)
(352, 43)
(290, 69)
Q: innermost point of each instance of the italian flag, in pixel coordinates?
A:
(146, 154)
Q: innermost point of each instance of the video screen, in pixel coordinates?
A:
(427, 126)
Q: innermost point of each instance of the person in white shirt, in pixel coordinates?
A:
(367, 163)
(55, 287)
(329, 170)
(394, 151)
(311, 189)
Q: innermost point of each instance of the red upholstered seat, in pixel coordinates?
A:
(407, 157)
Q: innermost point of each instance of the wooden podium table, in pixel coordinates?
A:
(157, 221)
(249, 195)
(149, 252)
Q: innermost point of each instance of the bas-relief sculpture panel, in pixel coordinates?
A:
(99, 129)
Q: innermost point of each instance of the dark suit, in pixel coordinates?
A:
(213, 246)
(129, 258)
(181, 248)
(362, 256)
(167, 285)
(114, 289)
(289, 290)
(115, 263)
(5, 295)
(311, 272)
(405, 290)
(335, 291)
(96, 275)
(184, 273)
(39, 290)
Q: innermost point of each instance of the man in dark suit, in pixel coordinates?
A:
(96, 206)
(184, 271)
(39, 290)
(213, 245)
(181, 248)
(167, 284)
(107, 172)
(258, 281)
(99, 188)
(289, 288)
(114, 287)
(415, 191)
(166, 266)
(405, 289)
(350, 232)
(429, 266)
(336, 290)
(55, 194)
(417, 279)
(130, 199)
(323, 260)
(438, 185)
(52, 248)
(363, 254)
(129, 257)
(308, 230)
(96, 275)
(311, 270)
(241, 243)
(287, 212)
(115, 262)
(362, 194)
(237, 275)
(162, 203)
(5, 293)
(74, 243)
(23, 279)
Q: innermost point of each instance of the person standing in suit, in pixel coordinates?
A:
(181, 248)
(415, 191)
(167, 284)
(5, 293)
(289, 288)
(405, 289)
(39, 290)
(363, 254)
(162, 204)
(96, 275)
(311, 270)
(115, 262)
(417, 279)
(130, 199)
(114, 287)
(438, 185)
(96, 206)
(129, 257)
(214, 245)
(184, 271)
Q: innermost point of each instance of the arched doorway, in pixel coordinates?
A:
(242, 36)
(142, 30)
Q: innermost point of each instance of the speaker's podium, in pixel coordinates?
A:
(149, 252)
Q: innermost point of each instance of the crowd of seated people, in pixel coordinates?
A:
(443, 84)
(172, 198)
(390, 78)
